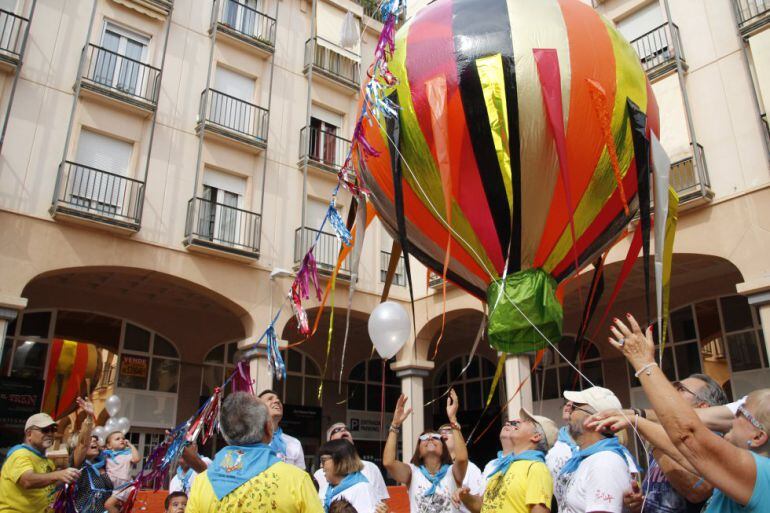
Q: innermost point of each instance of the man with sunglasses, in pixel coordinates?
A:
(339, 431)
(28, 477)
(597, 475)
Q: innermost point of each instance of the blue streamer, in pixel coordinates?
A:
(274, 359)
(338, 225)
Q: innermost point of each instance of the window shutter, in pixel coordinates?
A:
(104, 153)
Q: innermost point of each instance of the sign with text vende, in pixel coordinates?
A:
(365, 425)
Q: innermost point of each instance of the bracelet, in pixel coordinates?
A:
(394, 429)
(456, 426)
(645, 368)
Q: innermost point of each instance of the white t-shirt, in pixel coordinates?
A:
(176, 484)
(294, 453)
(371, 472)
(439, 502)
(474, 481)
(598, 484)
(360, 496)
(559, 454)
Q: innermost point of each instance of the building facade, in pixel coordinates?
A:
(165, 164)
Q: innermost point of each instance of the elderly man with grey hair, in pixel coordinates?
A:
(247, 475)
(339, 431)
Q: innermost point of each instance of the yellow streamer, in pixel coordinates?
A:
(498, 373)
(331, 330)
(668, 255)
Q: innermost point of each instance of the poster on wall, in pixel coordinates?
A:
(20, 398)
(133, 371)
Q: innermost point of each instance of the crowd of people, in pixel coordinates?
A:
(705, 454)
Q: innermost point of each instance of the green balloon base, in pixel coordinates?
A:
(532, 293)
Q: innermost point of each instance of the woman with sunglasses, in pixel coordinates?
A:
(431, 476)
(342, 470)
(94, 486)
(738, 464)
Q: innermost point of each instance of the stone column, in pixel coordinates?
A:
(258, 367)
(10, 306)
(412, 374)
(758, 293)
(517, 368)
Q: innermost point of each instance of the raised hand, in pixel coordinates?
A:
(85, 405)
(637, 347)
(608, 420)
(452, 405)
(399, 415)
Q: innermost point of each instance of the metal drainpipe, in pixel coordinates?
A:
(307, 117)
(269, 110)
(697, 157)
(744, 51)
(17, 74)
(154, 117)
(201, 133)
(75, 97)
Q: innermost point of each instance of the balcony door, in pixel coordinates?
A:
(220, 211)
(324, 131)
(231, 103)
(242, 16)
(119, 62)
(10, 27)
(97, 180)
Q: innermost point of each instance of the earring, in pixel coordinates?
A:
(748, 442)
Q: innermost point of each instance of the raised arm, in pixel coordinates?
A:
(193, 459)
(690, 486)
(135, 458)
(399, 470)
(84, 436)
(460, 464)
(726, 467)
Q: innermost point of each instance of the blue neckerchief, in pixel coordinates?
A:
(278, 444)
(98, 463)
(347, 482)
(565, 437)
(503, 463)
(184, 478)
(93, 469)
(608, 444)
(434, 480)
(111, 454)
(236, 464)
(28, 447)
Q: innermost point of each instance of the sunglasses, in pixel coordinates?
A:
(430, 436)
(512, 423)
(47, 430)
(572, 407)
(751, 418)
(339, 429)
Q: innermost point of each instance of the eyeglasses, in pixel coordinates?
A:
(572, 407)
(47, 430)
(751, 418)
(681, 388)
(430, 436)
(338, 430)
(511, 423)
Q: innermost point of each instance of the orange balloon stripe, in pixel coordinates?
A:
(591, 55)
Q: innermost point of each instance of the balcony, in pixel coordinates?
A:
(753, 15)
(322, 149)
(689, 178)
(326, 251)
(233, 118)
(333, 63)
(150, 6)
(658, 49)
(222, 229)
(88, 194)
(399, 277)
(244, 24)
(121, 78)
(435, 281)
(13, 30)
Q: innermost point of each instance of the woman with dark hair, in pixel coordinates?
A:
(431, 476)
(94, 486)
(342, 469)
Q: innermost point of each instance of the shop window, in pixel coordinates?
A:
(365, 387)
(303, 377)
(148, 362)
(218, 364)
(555, 374)
(472, 387)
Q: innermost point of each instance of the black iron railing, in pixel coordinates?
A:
(689, 176)
(323, 147)
(12, 31)
(658, 47)
(94, 193)
(752, 13)
(117, 73)
(234, 114)
(434, 279)
(371, 9)
(399, 277)
(326, 251)
(223, 226)
(247, 21)
(333, 61)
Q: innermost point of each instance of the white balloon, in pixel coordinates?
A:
(100, 433)
(111, 426)
(389, 328)
(112, 405)
(124, 425)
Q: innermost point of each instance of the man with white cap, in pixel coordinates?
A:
(339, 431)
(27, 477)
(519, 481)
(597, 475)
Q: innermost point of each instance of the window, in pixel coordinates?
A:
(147, 361)
(96, 181)
(472, 387)
(242, 16)
(217, 367)
(556, 375)
(232, 101)
(8, 5)
(324, 128)
(365, 387)
(218, 217)
(119, 63)
(302, 379)
(145, 443)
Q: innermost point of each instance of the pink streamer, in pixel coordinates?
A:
(242, 381)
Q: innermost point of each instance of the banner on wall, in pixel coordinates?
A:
(20, 398)
(365, 425)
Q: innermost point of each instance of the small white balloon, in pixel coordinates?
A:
(100, 433)
(111, 426)
(389, 328)
(112, 405)
(124, 425)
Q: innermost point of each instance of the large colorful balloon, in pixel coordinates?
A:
(520, 129)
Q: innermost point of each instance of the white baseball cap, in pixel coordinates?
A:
(548, 426)
(40, 421)
(598, 398)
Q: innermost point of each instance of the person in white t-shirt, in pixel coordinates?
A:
(288, 448)
(597, 476)
(190, 465)
(431, 477)
(342, 470)
(339, 431)
(474, 481)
